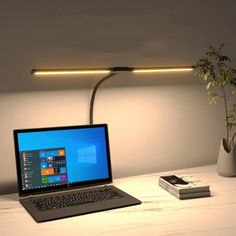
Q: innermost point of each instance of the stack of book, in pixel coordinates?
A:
(184, 186)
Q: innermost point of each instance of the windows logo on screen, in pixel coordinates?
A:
(87, 155)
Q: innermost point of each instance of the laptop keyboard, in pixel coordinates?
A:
(75, 198)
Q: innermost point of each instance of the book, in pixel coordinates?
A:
(184, 186)
(185, 195)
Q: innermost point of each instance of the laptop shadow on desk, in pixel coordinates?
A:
(12, 197)
(9, 190)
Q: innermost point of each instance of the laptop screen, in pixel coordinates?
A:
(62, 157)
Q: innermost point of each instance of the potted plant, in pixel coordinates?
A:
(217, 74)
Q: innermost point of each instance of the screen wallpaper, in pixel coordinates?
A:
(57, 157)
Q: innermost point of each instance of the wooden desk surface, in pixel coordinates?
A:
(159, 214)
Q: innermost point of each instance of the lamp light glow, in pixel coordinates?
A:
(110, 72)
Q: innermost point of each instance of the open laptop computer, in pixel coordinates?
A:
(64, 171)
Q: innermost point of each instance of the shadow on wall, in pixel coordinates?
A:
(8, 187)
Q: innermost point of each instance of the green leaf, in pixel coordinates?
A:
(205, 77)
(209, 85)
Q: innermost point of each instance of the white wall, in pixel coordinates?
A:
(156, 122)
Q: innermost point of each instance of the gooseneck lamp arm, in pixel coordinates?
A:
(94, 94)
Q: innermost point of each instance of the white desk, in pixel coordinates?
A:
(159, 214)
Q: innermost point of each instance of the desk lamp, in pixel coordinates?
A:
(112, 71)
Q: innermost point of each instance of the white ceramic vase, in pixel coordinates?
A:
(226, 163)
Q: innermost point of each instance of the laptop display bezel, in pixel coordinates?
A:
(66, 186)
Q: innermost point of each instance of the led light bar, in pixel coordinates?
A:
(69, 71)
(162, 69)
(109, 70)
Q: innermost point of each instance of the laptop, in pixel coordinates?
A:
(66, 171)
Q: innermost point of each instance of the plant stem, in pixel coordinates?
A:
(232, 140)
(226, 115)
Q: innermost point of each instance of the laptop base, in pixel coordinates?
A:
(81, 209)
